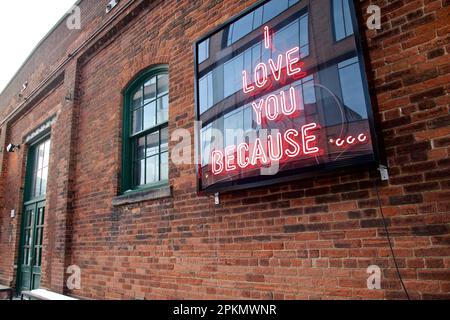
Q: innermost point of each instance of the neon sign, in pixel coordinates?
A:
(281, 95)
(279, 147)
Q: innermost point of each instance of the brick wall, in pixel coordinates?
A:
(311, 239)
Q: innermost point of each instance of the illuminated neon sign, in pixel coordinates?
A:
(295, 101)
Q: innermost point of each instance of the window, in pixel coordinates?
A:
(343, 26)
(40, 170)
(146, 143)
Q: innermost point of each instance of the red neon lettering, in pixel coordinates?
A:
(258, 153)
(290, 62)
(267, 37)
(284, 109)
(247, 87)
(272, 109)
(274, 149)
(351, 140)
(258, 111)
(340, 142)
(230, 158)
(308, 139)
(242, 158)
(287, 136)
(217, 162)
(276, 69)
(362, 137)
(261, 80)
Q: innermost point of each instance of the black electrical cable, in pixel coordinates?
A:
(390, 242)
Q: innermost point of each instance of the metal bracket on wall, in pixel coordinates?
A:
(217, 199)
(384, 173)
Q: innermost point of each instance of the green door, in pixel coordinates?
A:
(32, 230)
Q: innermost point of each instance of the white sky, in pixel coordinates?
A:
(23, 23)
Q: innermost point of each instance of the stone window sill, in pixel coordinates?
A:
(143, 195)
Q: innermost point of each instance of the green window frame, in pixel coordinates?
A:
(145, 131)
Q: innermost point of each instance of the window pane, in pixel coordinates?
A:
(140, 148)
(164, 139)
(137, 120)
(47, 154)
(38, 183)
(163, 109)
(41, 156)
(152, 144)
(152, 169)
(139, 172)
(150, 90)
(44, 180)
(137, 98)
(164, 166)
(163, 84)
(150, 115)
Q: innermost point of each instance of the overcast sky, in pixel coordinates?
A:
(23, 23)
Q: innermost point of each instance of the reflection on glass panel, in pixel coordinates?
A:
(233, 75)
(164, 139)
(47, 154)
(163, 84)
(343, 26)
(206, 144)
(139, 173)
(140, 148)
(203, 51)
(206, 92)
(256, 19)
(274, 8)
(286, 39)
(152, 144)
(304, 36)
(41, 156)
(152, 174)
(137, 120)
(164, 166)
(348, 18)
(241, 28)
(38, 183)
(234, 122)
(309, 93)
(44, 180)
(163, 109)
(150, 90)
(226, 79)
(137, 99)
(352, 88)
(149, 115)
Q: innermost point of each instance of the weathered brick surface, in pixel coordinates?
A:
(310, 239)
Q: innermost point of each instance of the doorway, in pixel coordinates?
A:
(33, 217)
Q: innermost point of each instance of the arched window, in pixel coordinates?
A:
(145, 139)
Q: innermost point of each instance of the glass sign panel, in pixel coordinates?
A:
(279, 96)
